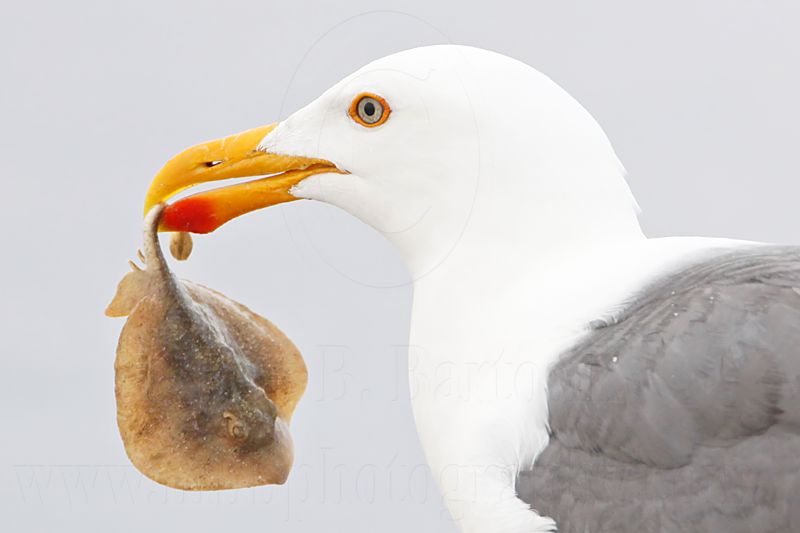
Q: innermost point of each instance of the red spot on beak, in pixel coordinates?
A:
(192, 214)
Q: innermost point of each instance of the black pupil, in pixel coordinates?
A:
(369, 109)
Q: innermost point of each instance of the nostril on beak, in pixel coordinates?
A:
(210, 164)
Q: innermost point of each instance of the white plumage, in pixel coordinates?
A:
(511, 210)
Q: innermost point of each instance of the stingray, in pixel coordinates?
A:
(205, 388)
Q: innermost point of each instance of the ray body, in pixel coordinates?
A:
(205, 387)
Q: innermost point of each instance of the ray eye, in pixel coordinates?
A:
(236, 429)
(369, 110)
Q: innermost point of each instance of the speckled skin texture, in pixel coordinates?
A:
(684, 413)
(205, 388)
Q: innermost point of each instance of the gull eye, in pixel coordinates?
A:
(369, 110)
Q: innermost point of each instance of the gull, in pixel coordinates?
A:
(597, 379)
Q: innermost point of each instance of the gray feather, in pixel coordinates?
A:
(684, 414)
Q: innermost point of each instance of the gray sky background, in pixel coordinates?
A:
(699, 99)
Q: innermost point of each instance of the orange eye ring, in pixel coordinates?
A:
(369, 110)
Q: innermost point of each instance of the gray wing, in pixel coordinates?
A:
(684, 414)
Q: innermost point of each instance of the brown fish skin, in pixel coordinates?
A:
(205, 387)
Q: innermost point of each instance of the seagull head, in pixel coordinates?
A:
(437, 148)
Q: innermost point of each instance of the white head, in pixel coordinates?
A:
(474, 149)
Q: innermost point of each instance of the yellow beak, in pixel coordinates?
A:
(232, 157)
